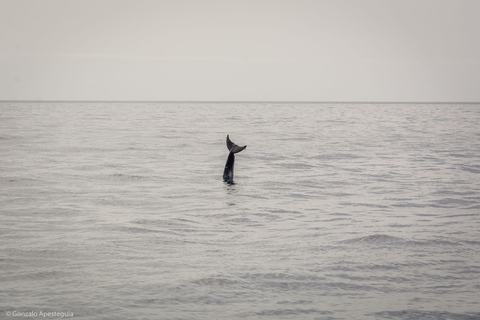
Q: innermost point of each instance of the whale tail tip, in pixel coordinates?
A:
(232, 147)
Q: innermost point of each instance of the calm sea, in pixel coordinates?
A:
(339, 211)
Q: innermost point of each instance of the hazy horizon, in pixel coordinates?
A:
(247, 101)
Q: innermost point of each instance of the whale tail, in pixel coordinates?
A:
(232, 147)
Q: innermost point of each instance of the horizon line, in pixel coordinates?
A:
(245, 101)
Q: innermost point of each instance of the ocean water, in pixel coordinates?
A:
(339, 211)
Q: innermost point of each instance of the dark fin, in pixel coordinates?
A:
(232, 147)
(230, 144)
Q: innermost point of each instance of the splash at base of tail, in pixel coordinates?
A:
(233, 148)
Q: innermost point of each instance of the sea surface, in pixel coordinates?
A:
(113, 210)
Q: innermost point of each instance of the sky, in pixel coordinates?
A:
(248, 50)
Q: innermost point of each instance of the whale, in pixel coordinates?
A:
(232, 148)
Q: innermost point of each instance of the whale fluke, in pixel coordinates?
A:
(233, 148)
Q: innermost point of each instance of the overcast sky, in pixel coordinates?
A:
(244, 50)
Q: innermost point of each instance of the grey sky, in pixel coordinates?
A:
(270, 50)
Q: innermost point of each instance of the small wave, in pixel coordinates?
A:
(140, 230)
(336, 156)
(214, 281)
(435, 242)
(414, 314)
(292, 312)
(128, 177)
(35, 276)
(452, 203)
(374, 238)
(296, 166)
(359, 204)
(471, 169)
